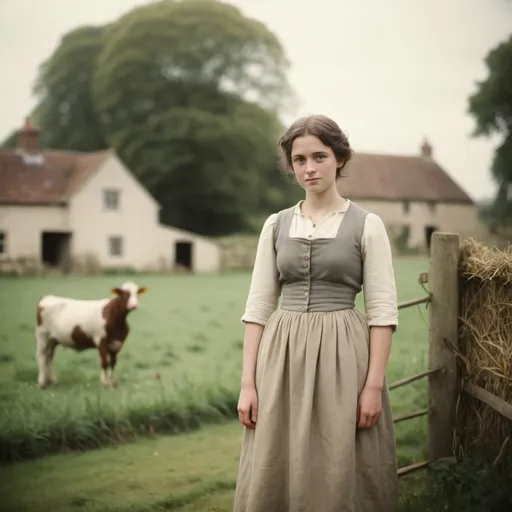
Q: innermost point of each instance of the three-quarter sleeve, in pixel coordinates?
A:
(264, 290)
(379, 285)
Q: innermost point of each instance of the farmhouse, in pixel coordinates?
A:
(413, 195)
(68, 209)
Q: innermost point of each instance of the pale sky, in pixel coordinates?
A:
(389, 72)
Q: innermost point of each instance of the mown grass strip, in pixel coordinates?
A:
(103, 427)
(171, 502)
(178, 501)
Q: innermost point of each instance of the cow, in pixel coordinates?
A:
(99, 324)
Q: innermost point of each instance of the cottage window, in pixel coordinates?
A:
(115, 246)
(111, 199)
(3, 242)
(406, 205)
(432, 206)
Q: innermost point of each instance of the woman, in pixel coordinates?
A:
(314, 401)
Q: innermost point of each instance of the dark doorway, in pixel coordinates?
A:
(183, 255)
(56, 249)
(429, 230)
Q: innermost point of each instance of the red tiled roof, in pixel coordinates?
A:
(391, 177)
(52, 182)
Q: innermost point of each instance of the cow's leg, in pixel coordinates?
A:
(50, 352)
(104, 364)
(113, 362)
(42, 340)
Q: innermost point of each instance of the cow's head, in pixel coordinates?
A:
(129, 293)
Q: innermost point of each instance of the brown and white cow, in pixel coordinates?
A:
(84, 324)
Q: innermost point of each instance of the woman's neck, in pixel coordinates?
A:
(324, 202)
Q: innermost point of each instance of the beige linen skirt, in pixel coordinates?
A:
(306, 453)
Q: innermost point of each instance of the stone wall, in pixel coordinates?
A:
(238, 252)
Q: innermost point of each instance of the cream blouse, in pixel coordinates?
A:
(379, 287)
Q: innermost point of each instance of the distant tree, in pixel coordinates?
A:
(491, 106)
(196, 53)
(189, 94)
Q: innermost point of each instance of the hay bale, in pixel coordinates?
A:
(478, 261)
(485, 345)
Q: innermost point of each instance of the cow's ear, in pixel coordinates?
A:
(142, 289)
(116, 291)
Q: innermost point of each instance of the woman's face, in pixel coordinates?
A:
(314, 164)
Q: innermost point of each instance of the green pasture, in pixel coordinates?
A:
(188, 332)
(196, 472)
(192, 472)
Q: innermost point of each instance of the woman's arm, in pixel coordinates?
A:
(380, 347)
(262, 299)
(380, 297)
(252, 340)
(382, 315)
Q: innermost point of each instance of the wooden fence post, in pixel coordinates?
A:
(443, 387)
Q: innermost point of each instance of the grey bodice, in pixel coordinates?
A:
(322, 274)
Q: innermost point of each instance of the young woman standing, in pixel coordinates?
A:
(314, 400)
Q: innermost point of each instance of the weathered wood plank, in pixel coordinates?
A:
(443, 279)
(413, 378)
(413, 302)
(410, 415)
(412, 467)
(498, 404)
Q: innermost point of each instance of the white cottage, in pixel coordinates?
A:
(60, 207)
(413, 195)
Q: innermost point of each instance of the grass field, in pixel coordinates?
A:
(194, 472)
(187, 330)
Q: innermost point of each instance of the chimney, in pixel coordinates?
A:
(426, 149)
(28, 138)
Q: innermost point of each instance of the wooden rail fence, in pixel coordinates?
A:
(443, 377)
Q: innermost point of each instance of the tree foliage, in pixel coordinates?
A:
(181, 54)
(188, 93)
(491, 105)
(65, 113)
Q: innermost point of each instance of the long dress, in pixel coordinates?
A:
(306, 453)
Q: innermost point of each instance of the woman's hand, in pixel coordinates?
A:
(248, 406)
(369, 407)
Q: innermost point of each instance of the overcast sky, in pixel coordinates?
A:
(389, 72)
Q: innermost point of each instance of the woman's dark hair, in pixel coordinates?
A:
(319, 126)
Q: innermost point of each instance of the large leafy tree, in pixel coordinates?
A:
(491, 105)
(208, 169)
(186, 53)
(188, 93)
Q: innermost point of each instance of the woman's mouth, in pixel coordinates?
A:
(311, 181)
